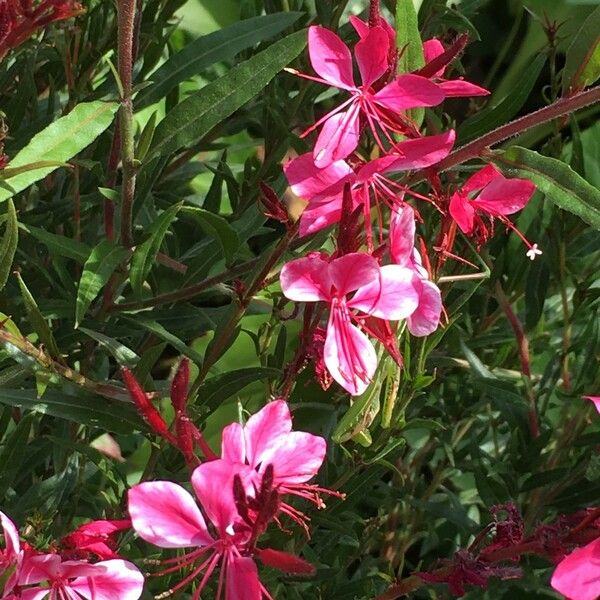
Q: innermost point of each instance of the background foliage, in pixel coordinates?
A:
(216, 119)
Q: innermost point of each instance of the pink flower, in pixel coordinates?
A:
(97, 538)
(324, 188)
(426, 318)
(166, 515)
(267, 440)
(577, 576)
(383, 292)
(454, 87)
(332, 61)
(11, 556)
(595, 400)
(48, 576)
(489, 192)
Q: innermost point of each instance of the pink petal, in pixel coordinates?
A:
(371, 54)
(309, 182)
(432, 49)
(213, 484)
(402, 235)
(349, 355)
(70, 569)
(504, 196)
(338, 138)
(12, 544)
(455, 88)
(166, 515)
(296, 458)
(392, 296)
(422, 152)
(426, 319)
(39, 567)
(233, 445)
(114, 580)
(330, 57)
(578, 575)
(265, 429)
(481, 178)
(31, 594)
(595, 400)
(360, 26)
(462, 212)
(319, 215)
(351, 271)
(242, 582)
(288, 563)
(306, 279)
(409, 91)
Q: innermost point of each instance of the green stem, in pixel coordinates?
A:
(125, 41)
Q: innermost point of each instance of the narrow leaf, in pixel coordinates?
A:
(193, 118)
(215, 47)
(37, 321)
(218, 228)
(145, 254)
(59, 245)
(8, 245)
(122, 354)
(408, 38)
(556, 180)
(59, 142)
(582, 62)
(98, 268)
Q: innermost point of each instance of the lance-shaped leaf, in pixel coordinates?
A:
(582, 62)
(193, 118)
(215, 47)
(556, 180)
(59, 245)
(408, 38)
(98, 268)
(145, 254)
(8, 245)
(123, 355)
(37, 321)
(58, 143)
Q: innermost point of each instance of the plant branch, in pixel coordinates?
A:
(126, 26)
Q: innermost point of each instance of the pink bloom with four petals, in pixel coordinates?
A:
(383, 292)
(332, 61)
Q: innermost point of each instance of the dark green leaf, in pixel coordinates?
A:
(582, 62)
(37, 321)
(12, 455)
(193, 118)
(98, 268)
(8, 245)
(145, 254)
(59, 245)
(215, 47)
(122, 354)
(556, 180)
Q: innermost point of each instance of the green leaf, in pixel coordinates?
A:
(350, 423)
(218, 228)
(556, 180)
(582, 61)
(122, 354)
(215, 47)
(85, 409)
(37, 321)
(500, 111)
(145, 254)
(59, 142)
(218, 388)
(408, 38)
(13, 454)
(98, 268)
(158, 330)
(59, 245)
(193, 118)
(8, 245)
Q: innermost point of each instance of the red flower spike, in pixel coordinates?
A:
(94, 539)
(145, 407)
(274, 207)
(288, 563)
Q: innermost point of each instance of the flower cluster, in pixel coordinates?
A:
(377, 276)
(20, 19)
(27, 574)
